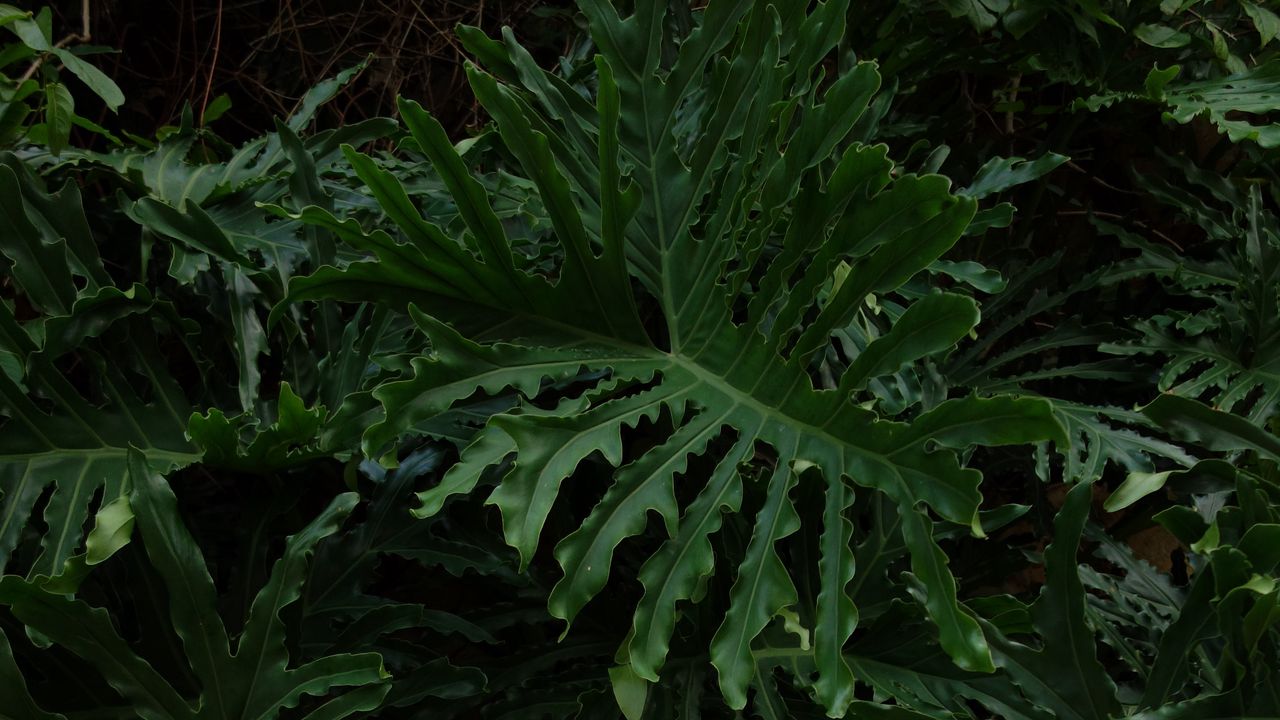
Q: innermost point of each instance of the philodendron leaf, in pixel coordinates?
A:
(1064, 676)
(1000, 174)
(289, 441)
(836, 614)
(38, 263)
(932, 324)
(629, 690)
(351, 703)
(88, 632)
(702, 270)
(247, 679)
(959, 632)
(250, 341)
(673, 573)
(58, 435)
(761, 591)
(1238, 104)
(1219, 431)
(1205, 476)
(112, 528)
(13, 688)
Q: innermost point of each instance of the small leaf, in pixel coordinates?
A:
(971, 273)
(216, 108)
(97, 81)
(1158, 79)
(1264, 20)
(59, 108)
(1161, 36)
(932, 324)
(1136, 486)
(976, 11)
(1220, 49)
(9, 13)
(113, 525)
(30, 32)
(1000, 174)
(81, 121)
(1183, 523)
(322, 93)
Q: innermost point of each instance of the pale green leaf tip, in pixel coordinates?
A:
(979, 660)
(629, 690)
(975, 527)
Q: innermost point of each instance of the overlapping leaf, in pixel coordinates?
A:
(691, 218)
(55, 436)
(249, 678)
(1227, 351)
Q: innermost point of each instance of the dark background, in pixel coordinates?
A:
(265, 54)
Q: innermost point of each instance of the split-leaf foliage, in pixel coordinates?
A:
(707, 381)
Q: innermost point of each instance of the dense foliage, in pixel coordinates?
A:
(759, 359)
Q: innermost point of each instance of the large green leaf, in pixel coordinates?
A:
(693, 220)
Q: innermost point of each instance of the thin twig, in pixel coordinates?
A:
(1118, 216)
(213, 66)
(1013, 97)
(1071, 164)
